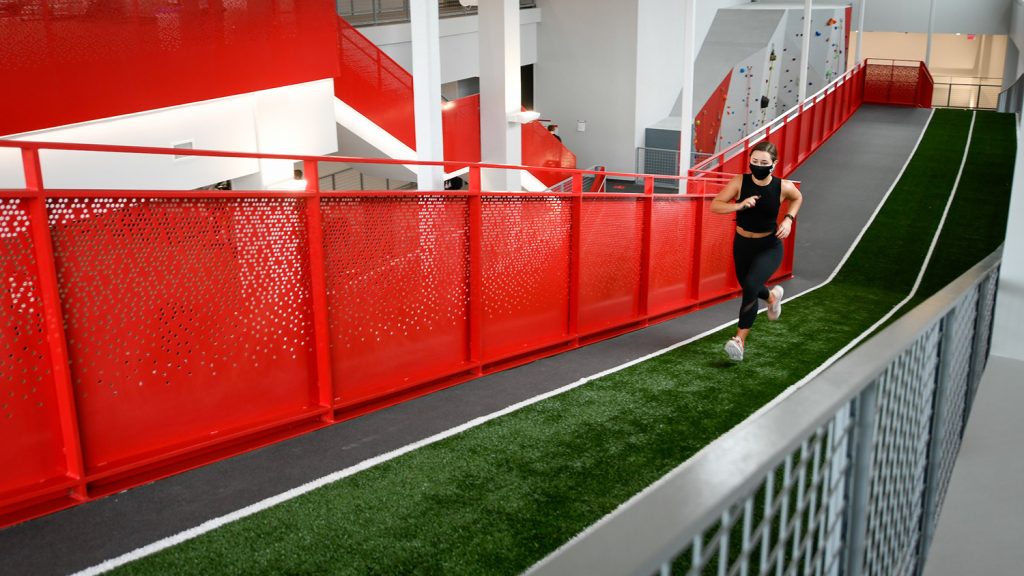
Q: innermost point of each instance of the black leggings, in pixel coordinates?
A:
(756, 260)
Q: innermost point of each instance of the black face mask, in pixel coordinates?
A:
(760, 172)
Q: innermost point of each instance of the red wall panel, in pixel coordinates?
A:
(76, 61)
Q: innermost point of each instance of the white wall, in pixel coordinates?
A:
(293, 119)
(659, 66)
(459, 43)
(586, 70)
(952, 55)
(951, 16)
(1008, 330)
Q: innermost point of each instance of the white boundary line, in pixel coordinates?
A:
(266, 503)
(810, 376)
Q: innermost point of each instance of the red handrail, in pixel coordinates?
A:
(262, 315)
(799, 131)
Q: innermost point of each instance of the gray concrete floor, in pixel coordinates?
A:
(981, 526)
(842, 184)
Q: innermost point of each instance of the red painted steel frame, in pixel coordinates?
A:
(898, 82)
(184, 327)
(280, 312)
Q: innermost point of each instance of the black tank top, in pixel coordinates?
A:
(764, 216)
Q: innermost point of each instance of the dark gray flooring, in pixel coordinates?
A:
(842, 184)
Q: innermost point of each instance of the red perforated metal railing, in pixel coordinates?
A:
(800, 131)
(900, 82)
(380, 89)
(146, 332)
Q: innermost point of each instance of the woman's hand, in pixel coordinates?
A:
(747, 203)
(784, 229)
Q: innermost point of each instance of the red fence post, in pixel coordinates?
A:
(575, 243)
(698, 237)
(476, 269)
(645, 248)
(318, 286)
(53, 319)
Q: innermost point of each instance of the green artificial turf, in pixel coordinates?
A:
(499, 497)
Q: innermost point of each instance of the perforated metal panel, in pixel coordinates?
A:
(27, 396)
(397, 289)
(185, 318)
(525, 277)
(673, 225)
(905, 398)
(612, 231)
(717, 270)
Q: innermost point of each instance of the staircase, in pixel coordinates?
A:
(374, 100)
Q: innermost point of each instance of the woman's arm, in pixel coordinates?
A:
(792, 193)
(724, 201)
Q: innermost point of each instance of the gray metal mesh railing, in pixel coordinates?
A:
(374, 12)
(352, 179)
(846, 475)
(971, 93)
(663, 161)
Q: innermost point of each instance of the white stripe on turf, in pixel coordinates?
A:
(256, 507)
(810, 376)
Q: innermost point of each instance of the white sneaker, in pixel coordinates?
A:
(775, 309)
(734, 348)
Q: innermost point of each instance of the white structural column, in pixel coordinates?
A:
(931, 26)
(500, 93)
(426, 85)
(686, 115)
(805, 52)
(860, 29)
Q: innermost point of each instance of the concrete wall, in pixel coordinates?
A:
(586, 70)
(292, 119)
(460, 56)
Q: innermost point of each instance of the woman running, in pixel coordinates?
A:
(757, 246)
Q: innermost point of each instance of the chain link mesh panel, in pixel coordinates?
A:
(956, 382)
(792, 522)
(905, 395)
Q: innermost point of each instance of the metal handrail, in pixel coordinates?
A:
(397, 11)
(652, 529)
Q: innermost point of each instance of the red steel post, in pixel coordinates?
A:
(575, 242)
(697, 205)
(476, 268)
(318, 286)
(53, 319)
(643, 297)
